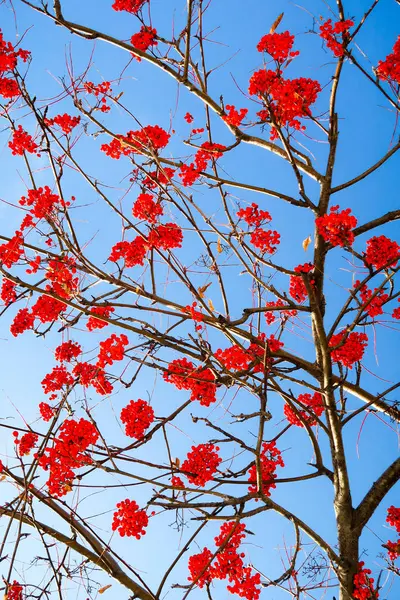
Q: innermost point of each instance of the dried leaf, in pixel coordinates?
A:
(306, 243)
(219, 246)
(276, 23)
(105, 588)
(211, 305)
(203, 289)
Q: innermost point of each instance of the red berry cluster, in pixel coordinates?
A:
(67, 351)
(337, 227)
(145, 38)
(234, 117)
(137, 416)
(14, 591)
(185, 376)
(131, 6)
(159, 178)
(265, 240)
(393, 518)
(148, 139)
(228, 564)
(47, 309)
(239, 359)
(43, 202)
(315, 405)
(389, 69)
(284, 314)
(27, 442)
(364, 584)
(11, 251)
(162, 237)
(23, 321)
(61, 273)
(270, 459)
(253, 216)
(206, 153)
(102, 311)
(8, 61)
(46, 412)
(374, 307)
(396, 312)
(145, 208)
(201, 464)
(177, 482)
(92, 375)
(165, 237)
(189, 118)
(330, 33)
(56, 380)
(133, 252)
(297, 288)
(8, 293)
(68, 454)
(65, 122)
(382, 252)
(22, 142)
(278, 45)
(351, 351)
(129, 520)
(112, 349)
(101, 91)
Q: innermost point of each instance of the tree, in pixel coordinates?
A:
(213, 290)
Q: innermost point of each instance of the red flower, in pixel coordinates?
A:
(201, 464)
(351, 351)
(382, 252)
(145, 208)
(65, 122)
(396, 312)
(208, 152)
(102, 311)
(330, 34)
(389, 69)
(102, 91)
(234, 117)
(129, 520)
(159, 178)
(278, 45)
(131, 6)
(47, 309)
(137, 417)
(337, 227)
(270, 459)
(313, 403)
(22, 142)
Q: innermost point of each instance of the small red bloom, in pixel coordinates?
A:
(265, 240)
(364, 584)
(137, 416)
(23, 321)
(57, 379)
(253, 216)
(43, 202)
(11, 251)
(133, 252)
(129, 520)
(9, 88)
(374, 308)
(92, 375)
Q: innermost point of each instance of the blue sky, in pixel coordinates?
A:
(366, 124)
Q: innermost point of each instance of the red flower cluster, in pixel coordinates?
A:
(148, 139)
(22, 142)
(297, 288)
(337, 227)
(393, 518)
(65, 122)
(253, 216)
(27, 442)
(285, 100)
(201, 464)
(364, 584)
(129, 520)
(11, 251)
(145, 38)
(14, 591)
(68, 454)
(330, 33)
(101, 91)
(185, 376)
(43, 202)
(92, 375)
(67, 351)
(265, 240)
(374, 308)
(278, 45)
(8, 293)
(284, 314)
(145, 208)
(270, 459)
(234, 117)
(315, 405)
(382, 252)
(131, 6)
(102, 311)
(389, 69)
(351, 351)
(206, 153)
(112, 349)
(137, 416)
(46, 412)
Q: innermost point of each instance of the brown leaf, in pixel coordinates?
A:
(211, 305)
(203, 289)
(306, 243)
(219, 246)
(276, 23)
(105, 588)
